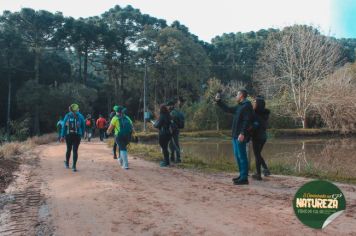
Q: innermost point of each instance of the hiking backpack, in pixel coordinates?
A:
(72, 125)
(88, 122)
(178, 118)
(125, 126)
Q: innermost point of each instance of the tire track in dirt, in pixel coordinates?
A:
(103, 199)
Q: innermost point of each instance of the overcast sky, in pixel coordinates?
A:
(209, 18)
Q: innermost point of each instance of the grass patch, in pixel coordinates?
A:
(13, 150)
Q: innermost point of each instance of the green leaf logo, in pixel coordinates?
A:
(318, 203)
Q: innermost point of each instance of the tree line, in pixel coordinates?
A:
(48, 61)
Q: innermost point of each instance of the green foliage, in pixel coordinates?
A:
(47, 58)
(20, 129)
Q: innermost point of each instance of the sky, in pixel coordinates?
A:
(209, 18)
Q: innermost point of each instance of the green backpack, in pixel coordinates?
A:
(125, 126)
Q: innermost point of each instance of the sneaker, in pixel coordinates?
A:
(74, 169)
(241, 182)
(66, 165)
(256, 176)
(163, 164)
(266, 172)
(115, 157)
(236, 179)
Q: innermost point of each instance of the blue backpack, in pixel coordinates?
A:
(125, 126)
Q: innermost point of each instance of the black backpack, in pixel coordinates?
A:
(178, 118)
(72, 124)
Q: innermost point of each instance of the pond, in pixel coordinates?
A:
(335, 157)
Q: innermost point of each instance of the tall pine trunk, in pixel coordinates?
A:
(36, 126)
(8, 116)
(85, 72)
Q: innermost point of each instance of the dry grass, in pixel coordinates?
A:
(15, 149)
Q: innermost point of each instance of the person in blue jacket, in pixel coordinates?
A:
(72, 132)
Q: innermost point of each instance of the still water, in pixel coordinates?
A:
(328, 156)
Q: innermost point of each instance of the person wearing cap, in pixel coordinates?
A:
(123, 127)
(242, 122)
(72, 132)
(112, 114)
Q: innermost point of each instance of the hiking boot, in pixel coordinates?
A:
(241, 182)
(236, 179)
(66, 165)
(256, 176)
(266, 172)
(163, 164)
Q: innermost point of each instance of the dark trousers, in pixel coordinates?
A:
(163, 142)
(174, 146)
(72, 141)
(114, 148)
(102, 134)
(257, 145)
(122, 141)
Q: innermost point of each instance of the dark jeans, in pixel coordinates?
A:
(163, 142)
(72, 141)
(122, 142)
(114, 148)
(88, 133)
(102, 134)
(257, 145)
(174, 146)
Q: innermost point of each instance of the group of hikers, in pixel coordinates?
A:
(249, 123)
(90, 126)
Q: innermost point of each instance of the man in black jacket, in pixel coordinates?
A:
(242, 121)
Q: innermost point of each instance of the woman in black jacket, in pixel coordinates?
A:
(259, 136)
(163, 124)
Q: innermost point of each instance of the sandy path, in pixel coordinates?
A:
(103, 199)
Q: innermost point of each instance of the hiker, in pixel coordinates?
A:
(101, 125)
(242, 119)
(163, 124)
(89, 127)
(259, 135)
(60, 125)
(72, 132)
(123, 127)
(177, 124)
(112, 114)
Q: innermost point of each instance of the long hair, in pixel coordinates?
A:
(260, 104)
(163, 109)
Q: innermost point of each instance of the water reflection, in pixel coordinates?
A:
(336, 157)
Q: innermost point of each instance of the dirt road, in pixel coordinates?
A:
(103, 199)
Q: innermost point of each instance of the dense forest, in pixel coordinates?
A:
(48, 61)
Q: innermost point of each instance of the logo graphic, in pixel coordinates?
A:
(318, 203)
